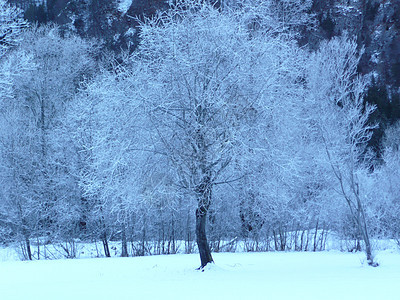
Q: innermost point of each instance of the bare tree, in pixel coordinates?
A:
(336, 93)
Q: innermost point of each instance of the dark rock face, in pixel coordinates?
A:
(102, 19)
(376, 25)
(146, 7)
(380, 35)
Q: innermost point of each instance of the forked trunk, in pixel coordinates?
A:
(104, 235)
(105, 244)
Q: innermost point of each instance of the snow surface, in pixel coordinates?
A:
(272, 275)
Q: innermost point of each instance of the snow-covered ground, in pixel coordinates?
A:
(273, 275)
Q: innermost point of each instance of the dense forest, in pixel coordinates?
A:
(272, 122)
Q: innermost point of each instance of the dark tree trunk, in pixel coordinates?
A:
(172, 239)
(362, 227)
(105, 244)
(315, 236)
(364, 232)
(104, 234)
(275, 240)
(201, 238)
(203, 191)
(26, 235)
(124, 242)
(28, 248)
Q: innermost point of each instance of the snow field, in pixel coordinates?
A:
(272, 275)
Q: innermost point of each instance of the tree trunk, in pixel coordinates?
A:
(124, 242)
(105, 245)
(104, 234)
(201, 238)
(364, 232)
(368, 250)
(28, 248)
(173, 249)
(362, 225)
(275, 240)
(188, 242)
(204, 191)
(315, 236)
(282, 238)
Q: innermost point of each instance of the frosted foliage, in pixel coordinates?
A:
(42, 77)
(207, 80)
(11, 25)
(279, 16)
(392, 137)
(217, 129)
(342, 122)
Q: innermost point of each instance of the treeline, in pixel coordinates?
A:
(218, 123)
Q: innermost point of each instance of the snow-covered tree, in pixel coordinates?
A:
(18, 212)
(11, 26)
(277, 16)
(340, 117)
(37, 104)
(385, 190)
(204, 79)
(109, 126)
